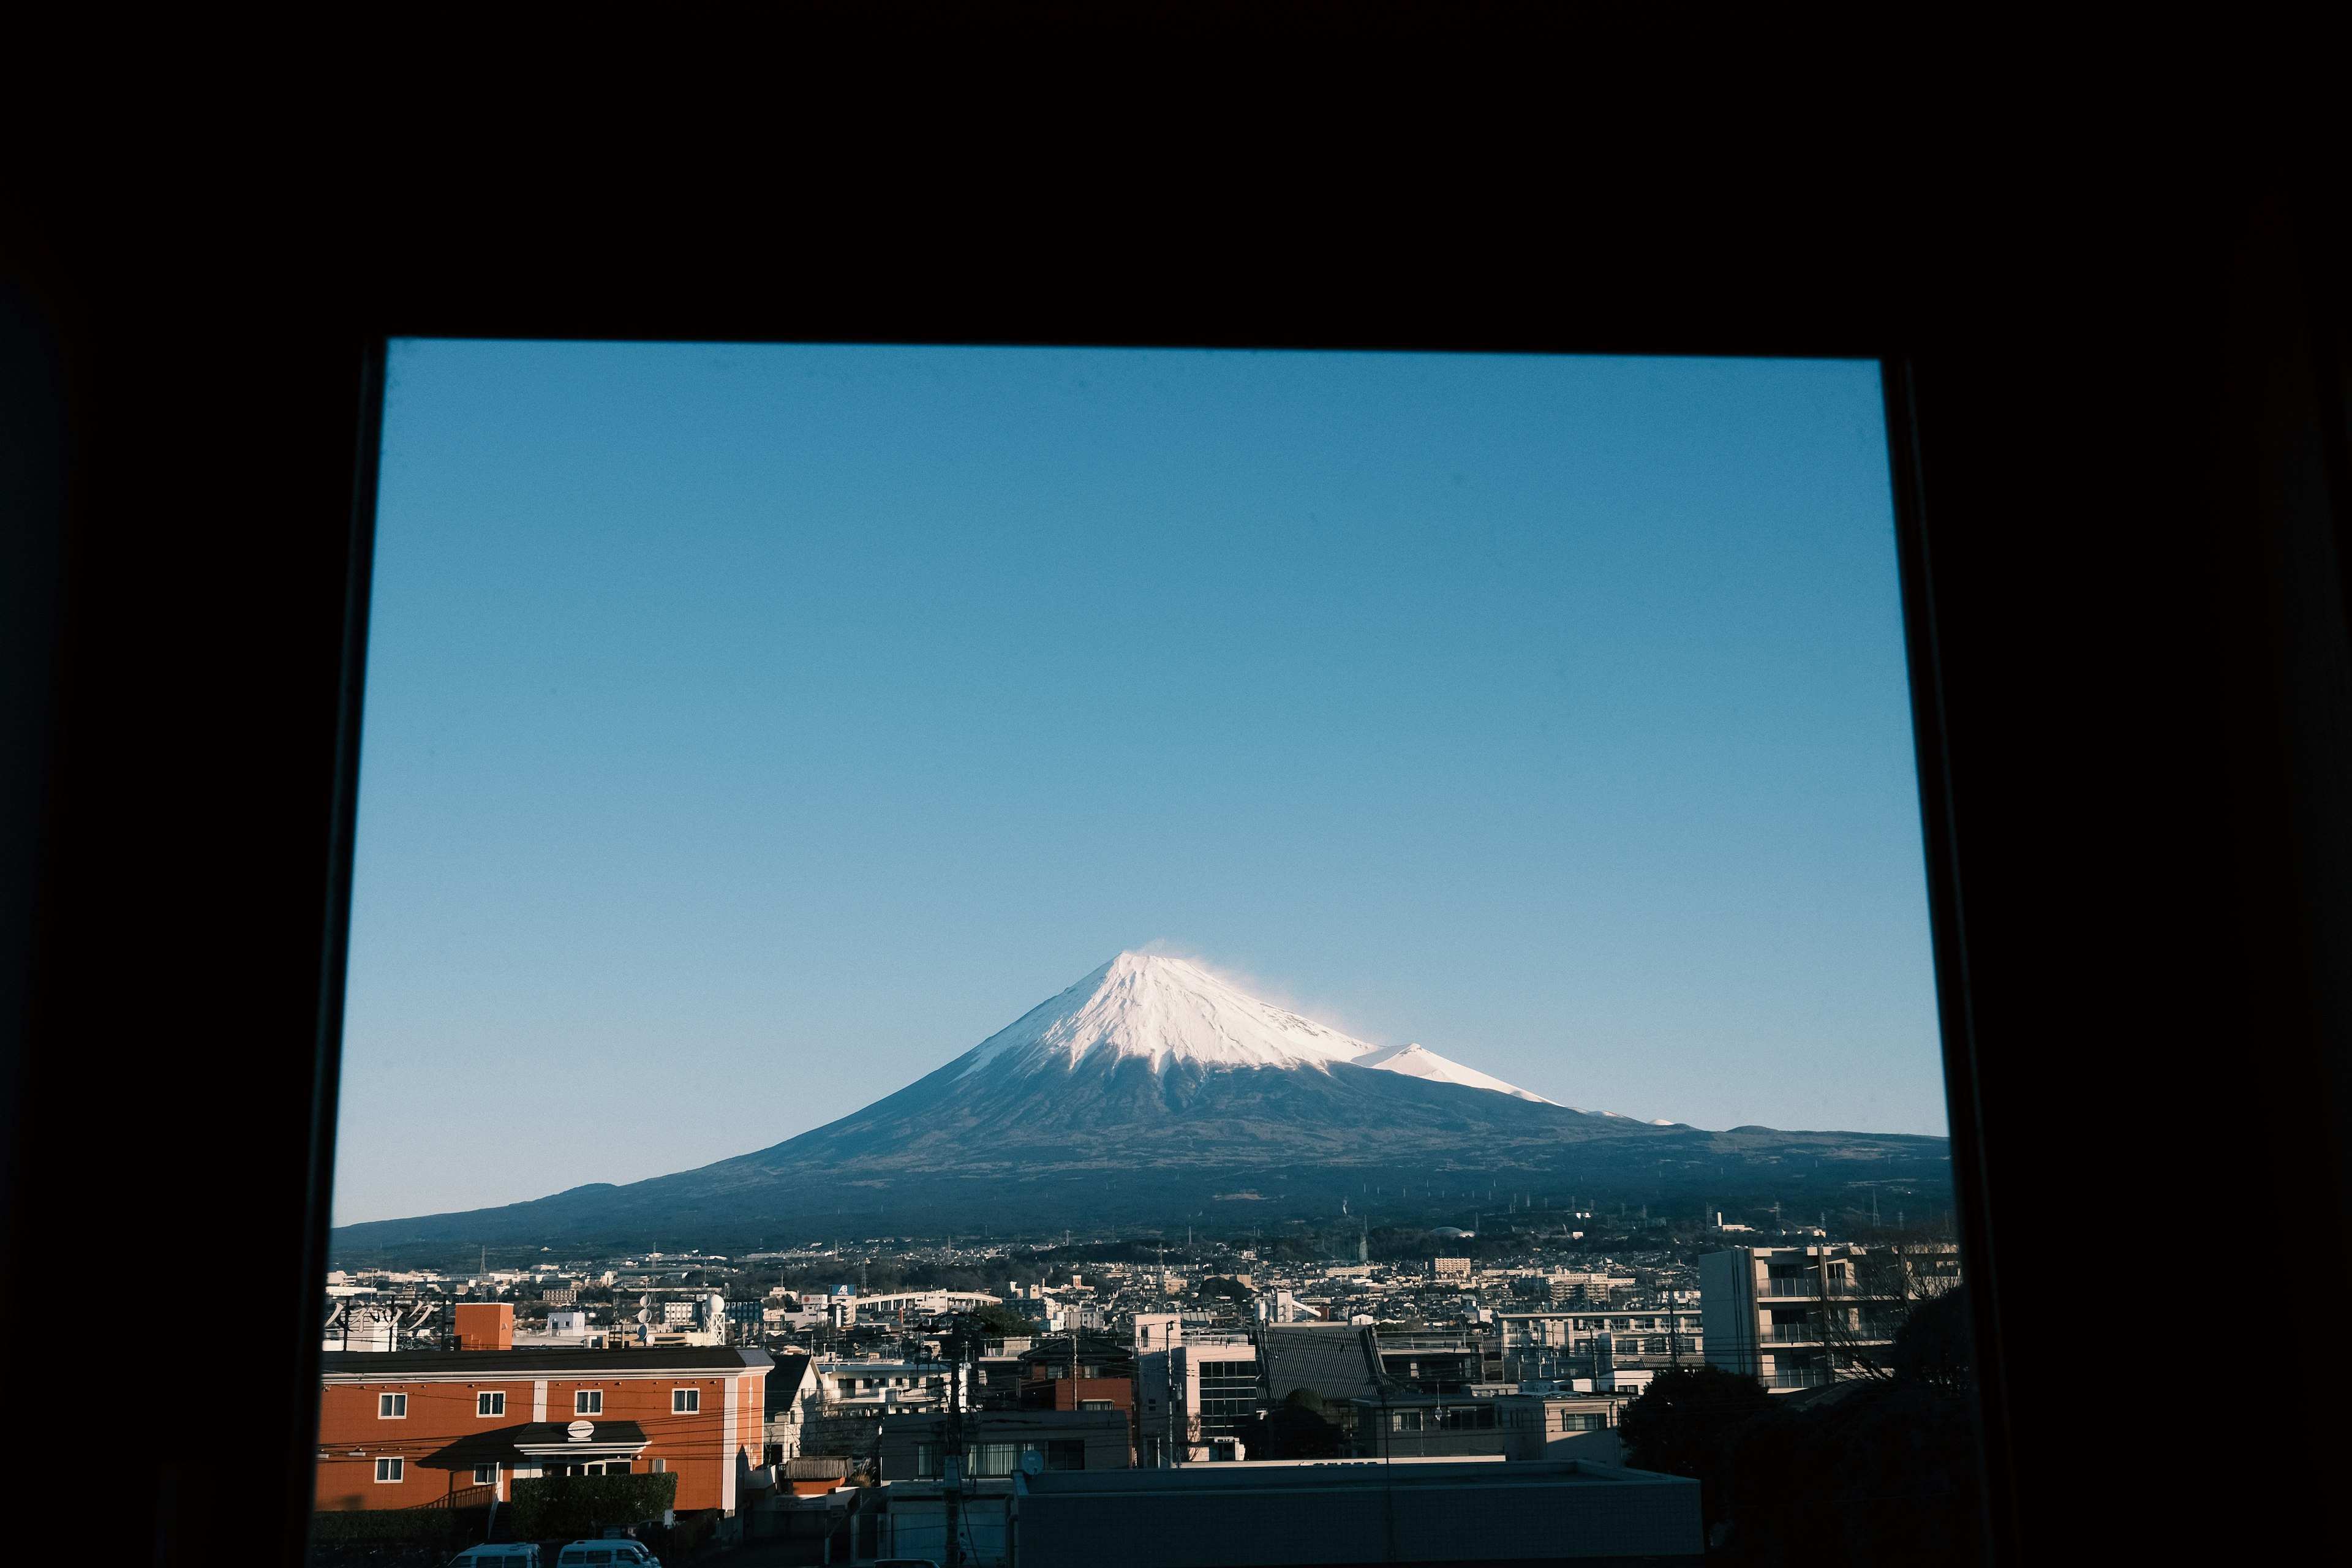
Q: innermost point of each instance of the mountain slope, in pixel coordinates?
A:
(1151, 1089)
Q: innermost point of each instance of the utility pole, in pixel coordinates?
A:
(952, 1493)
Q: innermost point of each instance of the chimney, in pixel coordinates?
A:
(486, 1325)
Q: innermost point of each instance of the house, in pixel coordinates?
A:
(791, 1389)
(399, 1428)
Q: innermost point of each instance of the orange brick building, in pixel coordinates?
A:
(401, 1428)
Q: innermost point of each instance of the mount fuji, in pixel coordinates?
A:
(1153, 1090)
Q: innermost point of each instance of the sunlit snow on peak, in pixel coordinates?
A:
(1164, 1010)
(1420, 1061)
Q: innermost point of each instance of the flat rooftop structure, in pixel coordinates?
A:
(1336, 1512)
(399, 1366)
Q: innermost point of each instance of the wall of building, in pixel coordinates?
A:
(706, 1449)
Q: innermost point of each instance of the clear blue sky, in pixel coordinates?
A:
(751, 730)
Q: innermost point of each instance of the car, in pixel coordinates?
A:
(616, 1553)
(507, 1554)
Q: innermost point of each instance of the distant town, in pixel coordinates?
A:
(846, 1396)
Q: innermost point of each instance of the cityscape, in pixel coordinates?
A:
(874, 1397)
(1009, 957)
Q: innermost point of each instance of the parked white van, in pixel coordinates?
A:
(613, 1553)
(516, 1554)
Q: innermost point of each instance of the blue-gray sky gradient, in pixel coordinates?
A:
(751, 730)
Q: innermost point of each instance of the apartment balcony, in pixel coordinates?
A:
(1812, 1377)
(1792, 1334)
(1842, 1290)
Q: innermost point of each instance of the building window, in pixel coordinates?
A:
(1066, 1454)
(685, 1401)
(486, 1475)
(588, 1402)
(389, 1470)
(493, 1404)
(392, 1407)
(660, 1466)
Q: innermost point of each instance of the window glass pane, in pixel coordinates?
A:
(1236, 906)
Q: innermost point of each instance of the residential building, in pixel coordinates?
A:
(1552, 1343)
(401, 1428)
(1105, 1380)
(792, 1388)
(1195, 1388)
(1800, 1317)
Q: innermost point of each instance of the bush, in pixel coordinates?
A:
(429, 1525)
(551, 1506)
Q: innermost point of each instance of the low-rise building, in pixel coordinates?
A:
(1518, 1426)
(916, 1447)
(791, 1390)
(1363, 1512)
(402, 1428)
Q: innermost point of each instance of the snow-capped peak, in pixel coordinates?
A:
(1162, 1010)
(1420, 1061)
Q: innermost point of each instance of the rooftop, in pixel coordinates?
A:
(662, 1360)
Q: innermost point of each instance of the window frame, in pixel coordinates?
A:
(686, 1402)
(390, 1406)
(496, 1397)
(390, 1471)
(587, 1402)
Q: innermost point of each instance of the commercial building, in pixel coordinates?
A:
(401, 1428)
(1801, 1317)
(1516, 1427)
(915, 1447)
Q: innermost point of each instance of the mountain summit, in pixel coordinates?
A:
(1166, 1012)
(1163, 1011)
(1150, 1091)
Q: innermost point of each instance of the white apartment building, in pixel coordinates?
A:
(1193, 1387)
(1554, 1343)
(1800, 1317)
(891, 1384)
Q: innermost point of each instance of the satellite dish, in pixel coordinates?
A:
(581, 1431)
(1032, 1463)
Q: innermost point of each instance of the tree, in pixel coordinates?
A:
(999, 1318)
(1297, 1429)
(1681, 1423)
(1935, 1347)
